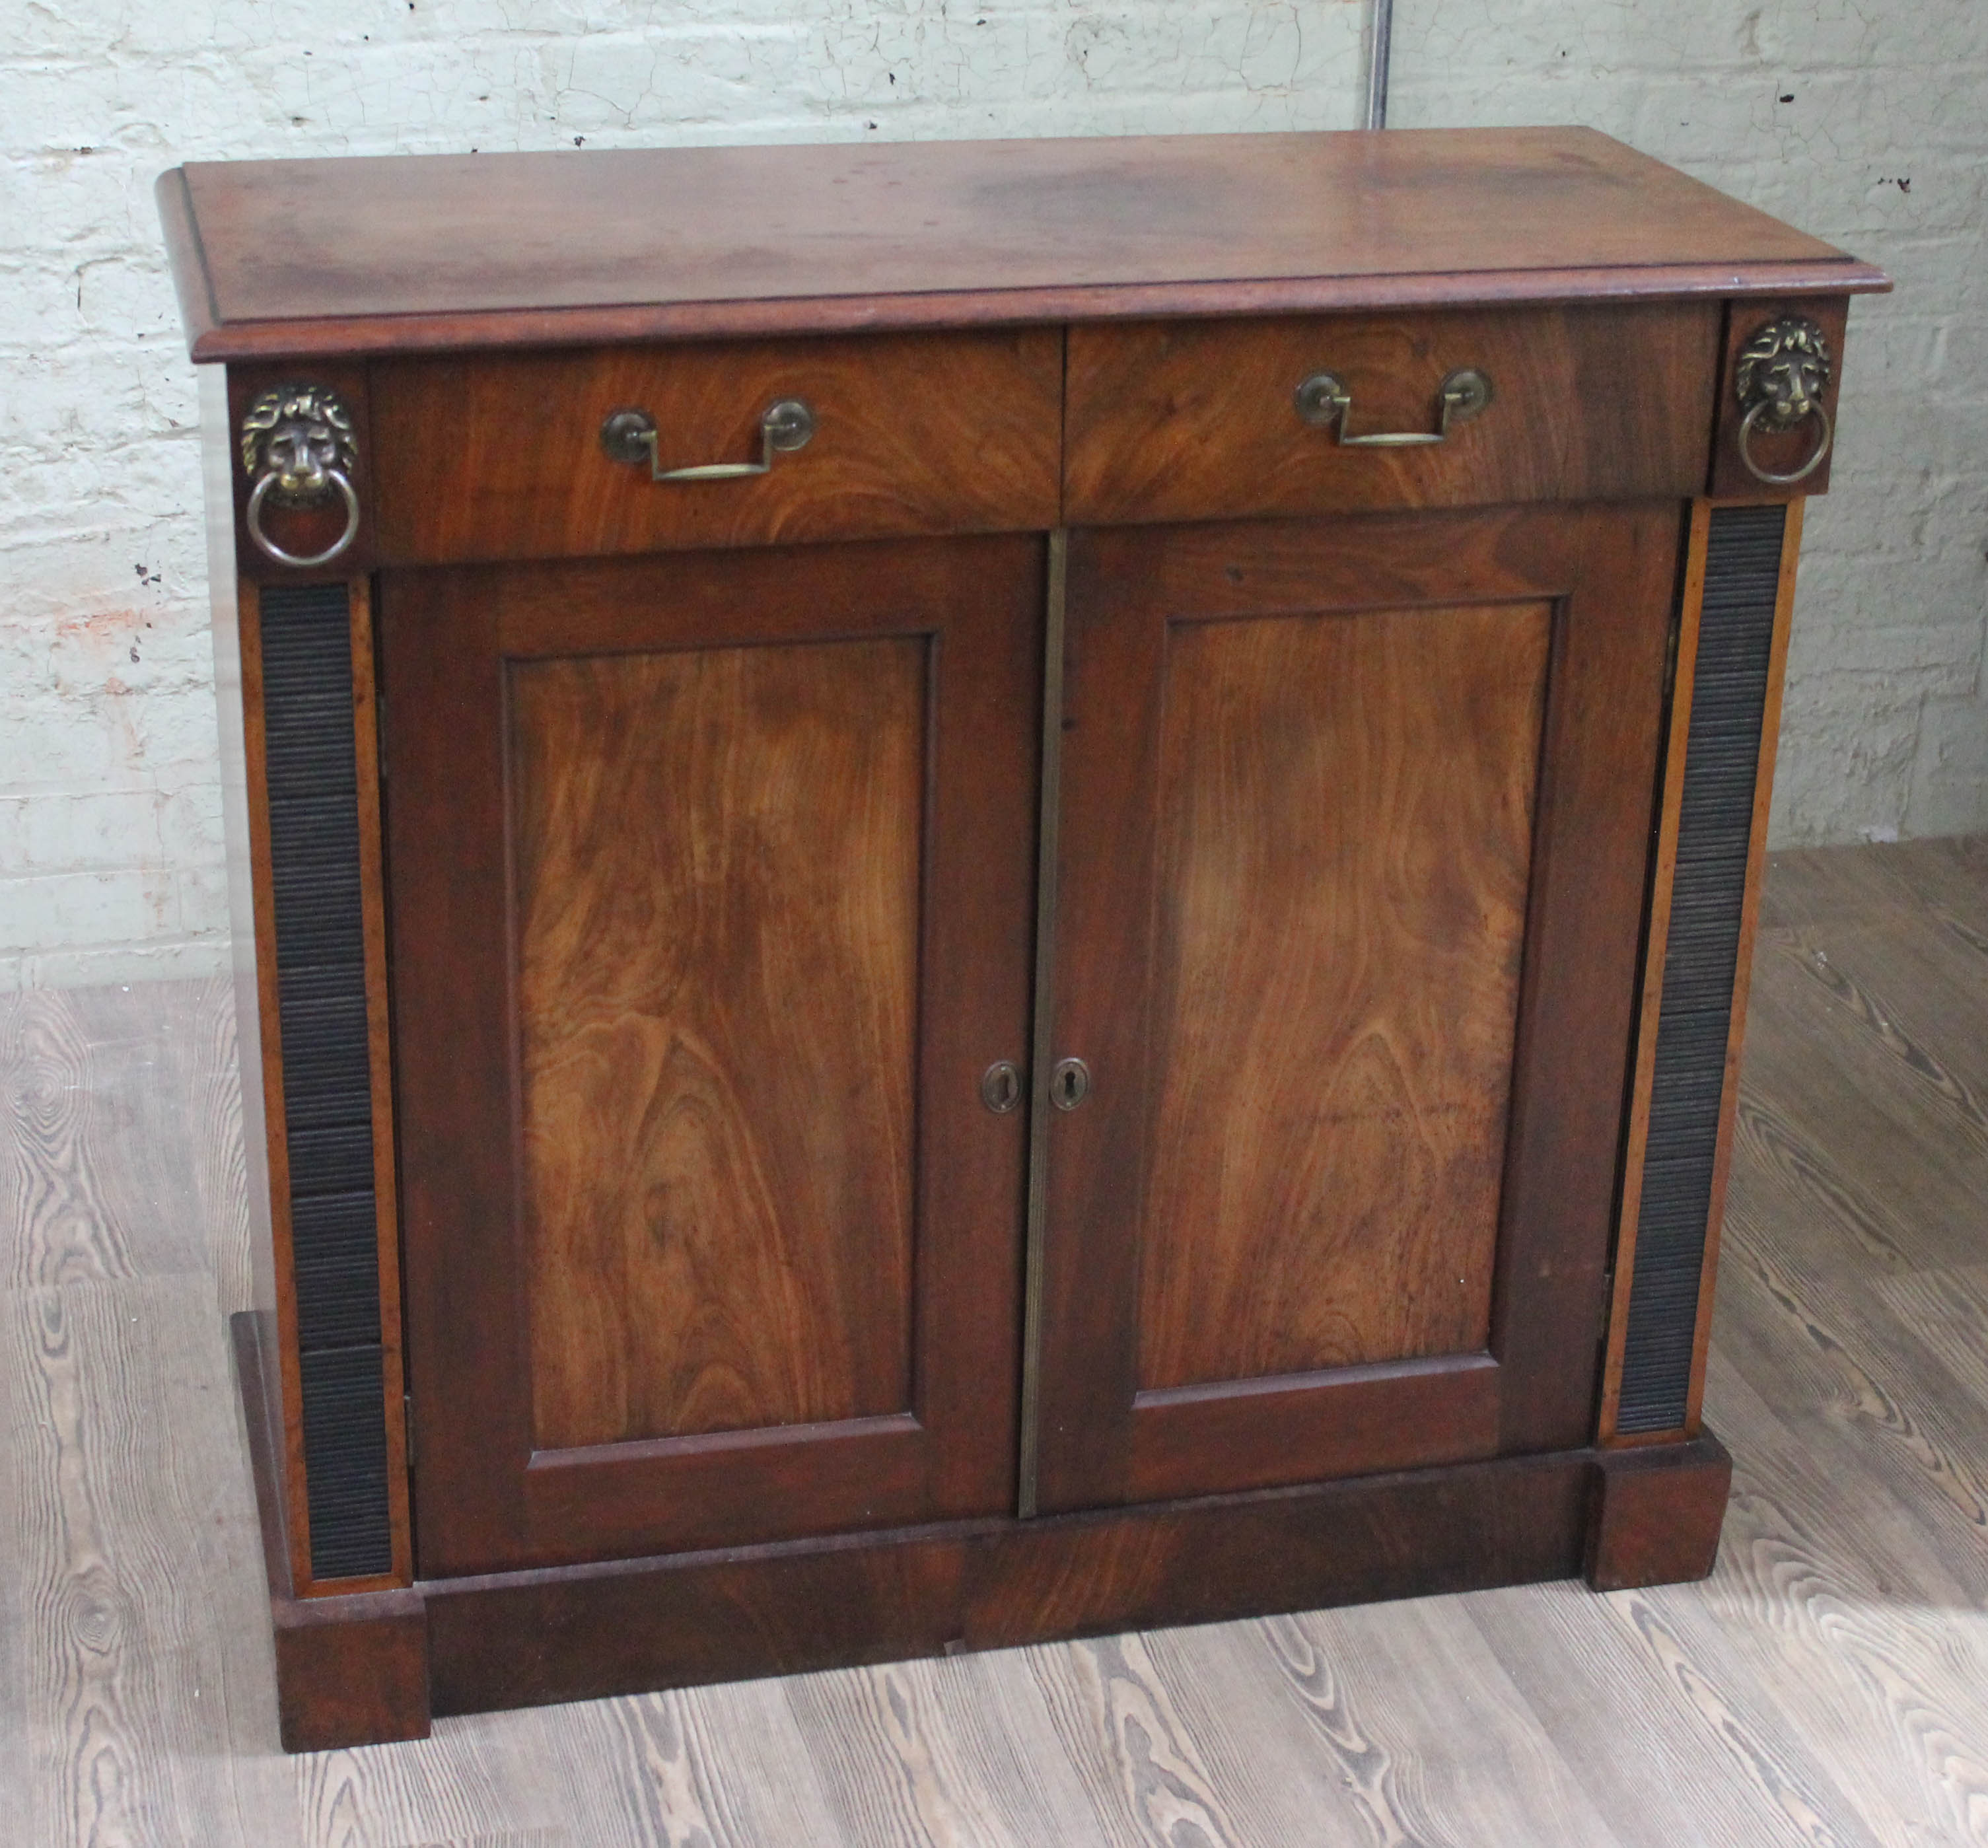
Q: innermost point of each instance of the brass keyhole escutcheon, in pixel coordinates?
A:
(1001, 1087)
(1069, 1083)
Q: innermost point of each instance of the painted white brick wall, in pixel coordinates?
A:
(110, 858)
(110, 852)
(1864, 122)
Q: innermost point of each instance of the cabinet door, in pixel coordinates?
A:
(711, 889)
(1355, 821)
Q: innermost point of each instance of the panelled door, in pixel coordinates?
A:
(1354, 827)
(710, 1237)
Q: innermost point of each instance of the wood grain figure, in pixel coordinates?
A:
(716, 862)
(765, 837)
(305, 258)
(498, 456)
(1345, 846)
(1525, 627)
(1197, 420)
(1006, 1005)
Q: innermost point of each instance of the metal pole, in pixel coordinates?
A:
(1379, 31)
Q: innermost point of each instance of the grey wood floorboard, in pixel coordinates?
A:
(1812, 1069)
(1884, 1408)
(148, 1684)
(1912, 1010)
(1663, 1758)
(712, 1767)
(157, 1113)
(1670, 1737)
(1942, 883)
(220, 1171)
(1828, 1595)
(468, 1781)
(950, 1754)
(1253, 1695)
(121, 1135)
(61, 1226)
(510, 1838)
(1948, 1310)
(1828, 1687)
(20, 1790)
(1144, 1771)
(1426, 1737)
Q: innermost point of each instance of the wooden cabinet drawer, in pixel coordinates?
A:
(1198, 420)
(498, 456)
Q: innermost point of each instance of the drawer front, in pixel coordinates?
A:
(500, 456)
(1186, 420)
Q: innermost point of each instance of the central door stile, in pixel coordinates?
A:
(1041, 1051)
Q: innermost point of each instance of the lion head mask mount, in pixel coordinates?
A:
(300, 434)
(1785, 366)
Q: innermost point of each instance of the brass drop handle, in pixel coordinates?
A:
(629, 436)
(1323, 400)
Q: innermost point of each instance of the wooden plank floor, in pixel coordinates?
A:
(1827, 1687)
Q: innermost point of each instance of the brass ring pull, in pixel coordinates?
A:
(336, 478)
(629, 436)
(1321, 400)
(1747, 424)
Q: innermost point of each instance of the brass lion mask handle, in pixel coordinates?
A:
(297, 450)
(1783, 373)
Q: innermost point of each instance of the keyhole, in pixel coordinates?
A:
(1069, 1083)
(1001, 1087)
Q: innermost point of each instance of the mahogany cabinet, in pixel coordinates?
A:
(983, 891)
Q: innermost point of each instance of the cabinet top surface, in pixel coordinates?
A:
(284, 258)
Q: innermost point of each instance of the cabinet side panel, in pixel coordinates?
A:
(1656, 935)
(1740, 641)
(245, 819)
(244, 1280)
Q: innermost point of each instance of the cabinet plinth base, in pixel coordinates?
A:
(369, 1668)
(352, 1669)
(1658, 1511)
